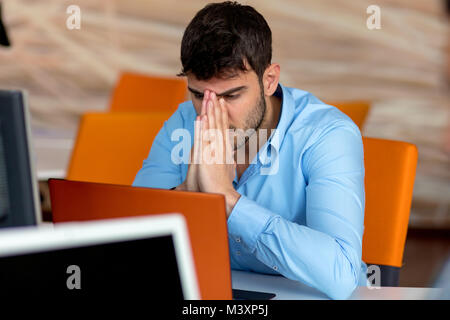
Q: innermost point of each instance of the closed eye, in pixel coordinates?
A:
(198, 96)
(231, 96)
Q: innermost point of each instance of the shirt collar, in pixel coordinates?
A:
(277, 137)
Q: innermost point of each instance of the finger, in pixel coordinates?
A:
(205, 140)
(210, 122)
(211, 112)
(204, 101)
(224, 114)
(228, 148)
(219, 140)
(195, 145)
(205, 132)
(197, 141)
(224, 149)
(218, 115)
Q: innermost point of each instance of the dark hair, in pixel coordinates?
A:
(222, 37)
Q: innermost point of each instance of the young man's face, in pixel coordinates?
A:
(243, 95)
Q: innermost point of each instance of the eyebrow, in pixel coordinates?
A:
(225, 93)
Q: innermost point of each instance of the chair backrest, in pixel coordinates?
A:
(204, 213)
(390, 168)
(356, 110)
(138, 92)
(110, 147)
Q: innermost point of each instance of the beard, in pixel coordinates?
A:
(252, 123)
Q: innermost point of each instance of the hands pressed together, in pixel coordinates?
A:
(212, 167)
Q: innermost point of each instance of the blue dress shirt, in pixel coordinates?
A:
(305, 218)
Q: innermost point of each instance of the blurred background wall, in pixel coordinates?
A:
(323, 47)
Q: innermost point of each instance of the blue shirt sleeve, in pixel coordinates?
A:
(326, 252)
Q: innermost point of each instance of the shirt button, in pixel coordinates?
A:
(238, 239)
(238, 253)
(275, 268)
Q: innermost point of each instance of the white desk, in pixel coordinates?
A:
(286, 289)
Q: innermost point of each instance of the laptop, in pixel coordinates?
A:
(146, 256)
(204, 213)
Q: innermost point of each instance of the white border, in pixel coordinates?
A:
(23, 240)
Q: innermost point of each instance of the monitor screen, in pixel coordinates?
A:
(4, 194)
(19, 202)
(147, 267)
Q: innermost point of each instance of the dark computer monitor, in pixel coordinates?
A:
(19, 201)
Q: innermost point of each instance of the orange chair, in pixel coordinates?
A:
(110, 147)
(138, 92)
(205, 217)
(356, 110)
(390, 168)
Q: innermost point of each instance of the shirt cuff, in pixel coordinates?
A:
(247, 221)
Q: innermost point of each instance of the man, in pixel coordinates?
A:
(295, 206)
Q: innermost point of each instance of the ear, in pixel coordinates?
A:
(271, 78)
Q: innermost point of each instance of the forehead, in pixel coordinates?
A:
(216, 84)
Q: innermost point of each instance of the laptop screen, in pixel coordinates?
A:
(147, 266)
(149, 257)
